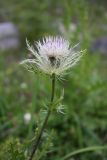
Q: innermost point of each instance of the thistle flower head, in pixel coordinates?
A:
(53, 55)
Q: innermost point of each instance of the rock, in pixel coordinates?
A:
(9, 36)
(100, 45)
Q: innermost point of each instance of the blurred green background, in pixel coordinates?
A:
(23, 93)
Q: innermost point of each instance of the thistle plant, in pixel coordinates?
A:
(53, 56)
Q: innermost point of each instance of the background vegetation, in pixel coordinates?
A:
(21, 92)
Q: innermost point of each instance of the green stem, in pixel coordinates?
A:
(35, 147)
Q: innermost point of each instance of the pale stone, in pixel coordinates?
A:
(9, 36)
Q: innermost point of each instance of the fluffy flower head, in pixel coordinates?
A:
(53, 55)
(27, 118)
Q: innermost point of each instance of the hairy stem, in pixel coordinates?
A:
(36, 144)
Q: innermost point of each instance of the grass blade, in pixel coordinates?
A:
(83, 150)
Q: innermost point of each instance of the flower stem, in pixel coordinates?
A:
(35, 147)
